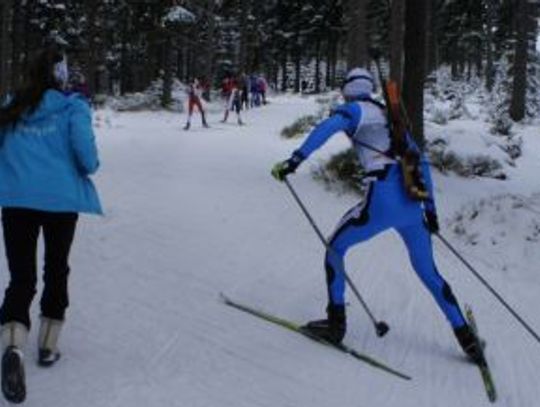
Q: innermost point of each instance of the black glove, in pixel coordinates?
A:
(284, 168)
(431, 221)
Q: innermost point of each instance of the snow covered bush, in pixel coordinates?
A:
(440, 115)
(499, 102)
(177, 15)
(506, 227)
(513, 147)
(300, 127)
(447, 99)
(304, 124)
(501, 123)
(150, 99)
(343, 170)
(447, 160)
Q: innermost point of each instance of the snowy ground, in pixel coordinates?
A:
(191, 214)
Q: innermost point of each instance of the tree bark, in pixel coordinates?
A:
(284, 76)
(297, 70)
(5, 20)
(490, 70)
(415, 66)
(242, 57)
(166, 96)
(210, 45)
(297, 60)
(318, 66)
(396, 40)
(356, 22)
(519, 89)
(432, 58)
(19, 35)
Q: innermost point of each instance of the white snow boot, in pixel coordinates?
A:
(14, 336)
(49, 331)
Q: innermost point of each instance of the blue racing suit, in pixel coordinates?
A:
(386, 205)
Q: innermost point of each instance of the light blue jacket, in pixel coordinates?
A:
(46, 159)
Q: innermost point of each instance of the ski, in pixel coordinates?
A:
(483, 366)
(293, 326)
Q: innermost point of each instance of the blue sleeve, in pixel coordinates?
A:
(345, 118)
(82, 137)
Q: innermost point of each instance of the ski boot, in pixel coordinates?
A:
(204, 123)
(470, 343)
(49, 331)
(14, 336)
(331, 329)
(226, 117)
(187, 126)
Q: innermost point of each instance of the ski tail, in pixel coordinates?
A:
(483, 366)
(295, 327)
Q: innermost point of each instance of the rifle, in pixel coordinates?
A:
(402, 146)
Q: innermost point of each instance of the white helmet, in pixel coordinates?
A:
(359, 81)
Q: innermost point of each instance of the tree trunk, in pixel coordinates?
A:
(328, 62)
(168, 60)
(242, 56)
(490, 69)
(210, 46)
(91, 11)
(333, 73)
(415, 66)
(124, 61)
(5, 19)
(297, 70)
(396, 40)
(297, 60)
(318, 66)
(356, 23)
(284, 76)
(432, 59)
(519, 89)
(18, 35)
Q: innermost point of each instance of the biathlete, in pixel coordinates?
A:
(387, 205)
(194, 99)
(233, 99)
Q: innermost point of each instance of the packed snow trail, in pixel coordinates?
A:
(190, 214)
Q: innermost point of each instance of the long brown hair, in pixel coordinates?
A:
(38, 78)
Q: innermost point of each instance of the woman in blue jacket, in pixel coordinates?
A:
(47, 152)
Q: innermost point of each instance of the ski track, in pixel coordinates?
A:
(192, 213)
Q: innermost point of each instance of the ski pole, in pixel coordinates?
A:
(381, 327)
(488, 286)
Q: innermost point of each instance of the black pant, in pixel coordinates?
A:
(21, 232)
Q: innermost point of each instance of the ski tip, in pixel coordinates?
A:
(224, 298)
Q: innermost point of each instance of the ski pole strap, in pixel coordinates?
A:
(488, 286)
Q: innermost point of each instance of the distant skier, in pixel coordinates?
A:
(386, 205)
(262, 87)
(47, 152)
(195, 91)
(78, 84)
(244, 92)
(233, 100)
(255, 97)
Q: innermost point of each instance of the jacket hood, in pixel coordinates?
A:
(52, 102)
